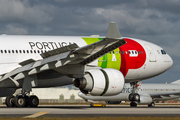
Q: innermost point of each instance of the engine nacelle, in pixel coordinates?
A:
(145, 99)
(101, 82)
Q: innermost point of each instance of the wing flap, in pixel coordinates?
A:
(60, 50)
(26, 62)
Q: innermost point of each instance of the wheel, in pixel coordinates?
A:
(91, 105)
(19, 101)
(133, 104)
(26, 103)
(136, 97)
(33, 101)
(131, 97)
(9, 101)
(151, 105)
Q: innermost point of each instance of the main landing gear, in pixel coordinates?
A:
(134, 97)
(22, 101)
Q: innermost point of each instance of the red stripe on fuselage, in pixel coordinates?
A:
(129, 62)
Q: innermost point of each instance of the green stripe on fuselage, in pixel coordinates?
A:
(106, 60)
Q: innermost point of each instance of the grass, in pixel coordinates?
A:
(97, 118)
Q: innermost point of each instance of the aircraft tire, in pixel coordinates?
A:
(26, 103)
(133, 104)
(33, 101)
(131, 97)
(19, 101)
(136, 97)
(151, 105)
(9, 101)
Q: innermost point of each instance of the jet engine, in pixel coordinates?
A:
(145, 100)
(101, 82)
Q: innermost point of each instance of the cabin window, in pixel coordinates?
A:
(132, 52)
(24, 51)
(9, 51)
(129, 52)
(135, 52)
(119, 52)
(126, 52)
(116, 52)
(5, 51)
(34, 51)
(113, 52)
(38, 51)
(122, 52)
(141, 52)
(20, 51)
(12, 51)
(163, 52)
(138, 52)
(31, 51)
(27, 51)
(1, 51)
(16, 51)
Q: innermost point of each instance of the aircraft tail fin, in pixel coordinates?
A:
(113, 31)
(176, 82)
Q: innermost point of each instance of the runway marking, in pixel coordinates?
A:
(36, 114)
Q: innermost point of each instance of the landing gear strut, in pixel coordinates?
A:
(134, 97)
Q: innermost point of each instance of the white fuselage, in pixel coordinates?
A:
(15, 49)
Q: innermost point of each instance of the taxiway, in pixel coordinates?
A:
(87, 111)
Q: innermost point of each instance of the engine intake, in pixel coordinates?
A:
(101, 82)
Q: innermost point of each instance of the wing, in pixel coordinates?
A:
(69, 60)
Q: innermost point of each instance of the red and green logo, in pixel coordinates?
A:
(129, 56)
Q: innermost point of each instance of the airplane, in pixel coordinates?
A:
(97, 65)
(148, 93)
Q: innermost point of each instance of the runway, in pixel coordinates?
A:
(87, 111)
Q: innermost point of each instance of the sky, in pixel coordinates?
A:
(156, 21)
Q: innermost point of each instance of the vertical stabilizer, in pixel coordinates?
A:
(113, 31)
